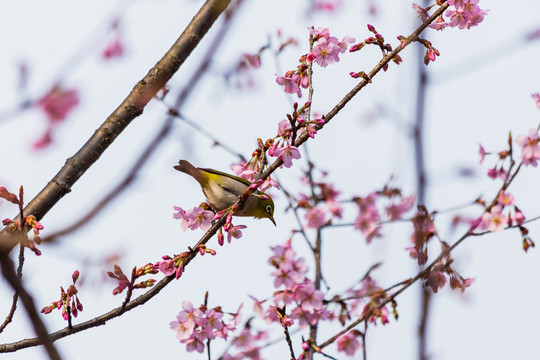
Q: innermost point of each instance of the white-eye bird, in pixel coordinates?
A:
(222, 191)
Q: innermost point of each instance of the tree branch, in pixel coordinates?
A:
(160, 136)
(130, 108)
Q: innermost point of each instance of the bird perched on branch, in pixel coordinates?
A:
(222, 191)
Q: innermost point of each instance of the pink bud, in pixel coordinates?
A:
(75, 276)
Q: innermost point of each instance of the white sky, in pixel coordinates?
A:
(495, 319)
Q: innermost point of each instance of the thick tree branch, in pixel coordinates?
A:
(160, 136)
(130, 108)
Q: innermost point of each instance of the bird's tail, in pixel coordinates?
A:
(186, 167)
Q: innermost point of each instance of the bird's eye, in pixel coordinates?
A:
(268, 209)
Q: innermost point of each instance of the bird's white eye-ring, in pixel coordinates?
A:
(268, 209)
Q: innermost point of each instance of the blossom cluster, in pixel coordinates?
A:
(369, 216)
(464, 14)
(256, 165)
(348, 342)
(201, 217)
(496, 220)
(503, 211)
(198, 217)
(436, 278)
(326, 51)
(69, 301)
(114, 47)
(28, 221)
(530, 147)
(247, 345)
(530, 154)
(56, 104)
(124, 282)
(282, 145)
(295, 290)
(322, 204)
(424, 230)
(378, 40)
(195, 326)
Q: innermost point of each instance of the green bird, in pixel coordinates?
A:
(222, 191)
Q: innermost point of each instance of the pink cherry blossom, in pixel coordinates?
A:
(422, 13)
(494, 220)
(344, 43)
(436, 280)
(235, 232)
(348, 343)
(396, 211)
(519, 217)
(198, 217)
(180, 214)
(189, 316)
(282, 254)
(213, 323)
(58, 103)
(286, 153)
(304, 318)
(284, 129)
(505, 198)
(251, 60)
(320, 32)
(327, 5)
(326, 52)
(439, 24)
(114, 49)
(309, 298)
(465, 14)
(368, 217)
(495, 172)
(334, 207)
(267, 183)
(456, 282)
(482, 153)
(284, 297)
(290, 83)
(244, 172)
(182, 331)
(530, 148)
(287, 276)
(195, 342)
(271, 314)
(167, 267)
(315, 218)
(536, 97)
(45, 140)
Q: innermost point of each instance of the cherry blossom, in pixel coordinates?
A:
(494, 220)
(348, 343)
(530, 148)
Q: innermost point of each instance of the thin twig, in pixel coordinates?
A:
(39, 327)
(9, 317)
